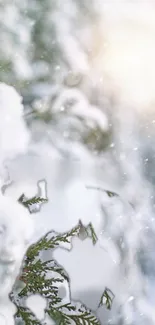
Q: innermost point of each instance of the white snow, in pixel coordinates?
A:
(16, 226)
(14, 136)
(37, 304)
(16, 230)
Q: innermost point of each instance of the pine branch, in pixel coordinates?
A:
(109, 193)
(80, 316)
(107, 298)
(85, 318)
(49, 242)
(35, 200)
(31, 201)
(27, 316)
(88, 232)
(34, 276)
(92, 233)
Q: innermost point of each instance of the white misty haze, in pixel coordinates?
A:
(16, 226)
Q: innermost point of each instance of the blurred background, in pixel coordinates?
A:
(84, 132)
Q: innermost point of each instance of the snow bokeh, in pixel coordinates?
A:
(16, 226)
(14, 136)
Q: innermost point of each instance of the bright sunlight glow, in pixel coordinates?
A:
(128, 54)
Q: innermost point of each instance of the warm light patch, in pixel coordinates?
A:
(127, 54)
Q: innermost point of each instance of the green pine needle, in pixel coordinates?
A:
(31, 201)
(107, 298)
(78, 316)
(34, 273)
(34, 276)
(27, 316)
(88, 232)
(109, 193)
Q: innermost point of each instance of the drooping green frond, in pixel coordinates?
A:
(70, 313)
(34, 276)
(109, 193)
(88, 231)
(27, 316)
(107, 298)
(50, 241)
(31, 201)
(92, 233)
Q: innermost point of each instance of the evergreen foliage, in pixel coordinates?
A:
(31, 201)
(107, 298)
(35, 281)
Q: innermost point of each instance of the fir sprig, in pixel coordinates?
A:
(92, 233)
(80, 316)
(109, 193)
(31, 201)
(50, 242)
(35, 200)
(34, 277)
(88, 231)
(27, 316)
(107, 298)
(34, 274)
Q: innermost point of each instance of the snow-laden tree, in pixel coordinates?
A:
(86, 141)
